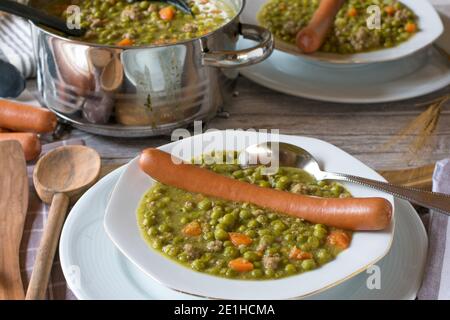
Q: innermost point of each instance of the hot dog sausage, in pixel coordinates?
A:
(311, 38)
(346, 213)
(30, 143)
(25, 118)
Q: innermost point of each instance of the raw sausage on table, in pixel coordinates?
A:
(29, 141)
(346, 213)
(26, 118)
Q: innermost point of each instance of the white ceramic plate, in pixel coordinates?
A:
(120, 224)
(413, 76)
(430, 26)
(95, 269)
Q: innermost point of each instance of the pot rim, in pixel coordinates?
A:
(98, 45)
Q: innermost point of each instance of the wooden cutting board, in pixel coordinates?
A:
(420, 177)
(13, 209)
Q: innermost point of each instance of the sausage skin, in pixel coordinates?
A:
(346, 213)
(311, 38)
(29, 141)
(25, 118)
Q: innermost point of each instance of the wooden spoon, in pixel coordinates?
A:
(13, 209)
(60, 176)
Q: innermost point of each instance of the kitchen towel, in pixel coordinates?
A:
(15, 44)
(436, 282)
(34, 227)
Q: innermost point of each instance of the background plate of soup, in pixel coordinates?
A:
(428, 28)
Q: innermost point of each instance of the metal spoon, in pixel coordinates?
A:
(292, 156)
(39, 17)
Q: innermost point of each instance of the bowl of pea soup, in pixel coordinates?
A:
(364, 31)
(216, 248)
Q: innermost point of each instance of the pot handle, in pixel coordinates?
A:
(244, 57)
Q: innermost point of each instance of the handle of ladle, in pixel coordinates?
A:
(46, 253)
(39, 17)
(432, 200)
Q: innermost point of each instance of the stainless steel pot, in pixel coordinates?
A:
(144, 91)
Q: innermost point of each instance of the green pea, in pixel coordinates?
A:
(313, 242)
(273, 250)
(251, 233)
(270, 273)
(165, 199)
(216, 215)
(249, 172)
(251, 256)
(305, 247)
(198, 265)
(144, 4)
(281, 185)
(336, 189)
(245, 214)
(278, 226)
(152, 231)
(238, 174)
(230, 252)
(289, 237)
(257, 273)
(264, 184)
(170, 250)
(220, 234)
(189, 206)
(264, 232)
(290, 269)
(184, 220)
(227, 243)
(147, 222)
(156, 244)
(266, 239)
(208, 236)
(205, 204)
(183, 257)
(177, 240)
(253, 224)
(262, 219)
(308, 264)
(231, 273)
(228, 219)
(160, 204)
(320, 233)
(214, 270)
(323, 256)
(164, 228)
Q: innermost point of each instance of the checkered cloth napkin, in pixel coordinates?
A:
(34, 227)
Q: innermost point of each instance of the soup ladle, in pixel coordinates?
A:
(289, 155)
(39, 17)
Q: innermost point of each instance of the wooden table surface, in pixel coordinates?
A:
(361, 130)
